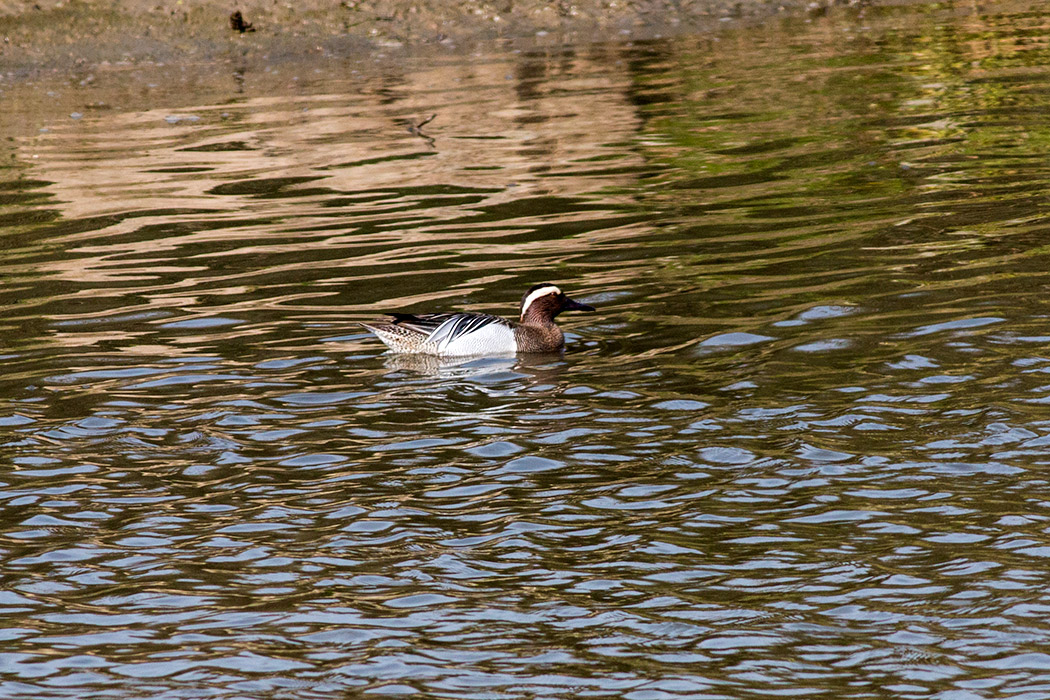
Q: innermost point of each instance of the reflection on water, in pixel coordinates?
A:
(798, 449)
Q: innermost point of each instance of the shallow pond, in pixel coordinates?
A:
(798, 450)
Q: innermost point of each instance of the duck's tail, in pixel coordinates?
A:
(397, 338)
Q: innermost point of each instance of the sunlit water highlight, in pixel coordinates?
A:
(797, 451)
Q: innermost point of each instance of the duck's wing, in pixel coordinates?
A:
(458, 333)
(447, 334)
(422, 323)
(456, 327)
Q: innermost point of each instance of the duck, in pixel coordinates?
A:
(470, 334)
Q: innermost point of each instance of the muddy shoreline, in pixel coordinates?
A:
(50, 36)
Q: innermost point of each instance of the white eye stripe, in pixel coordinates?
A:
(541, 292)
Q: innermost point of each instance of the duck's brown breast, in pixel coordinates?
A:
(534, 338)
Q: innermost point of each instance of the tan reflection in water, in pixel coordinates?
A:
(197, 207)
(488, 133)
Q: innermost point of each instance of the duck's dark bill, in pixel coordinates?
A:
(572, 305)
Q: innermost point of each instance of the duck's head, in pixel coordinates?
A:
(545, 301)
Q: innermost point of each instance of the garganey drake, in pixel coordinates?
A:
(464, 334)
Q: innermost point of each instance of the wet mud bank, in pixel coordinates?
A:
(54, 36)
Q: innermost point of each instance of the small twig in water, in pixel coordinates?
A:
(417, 129)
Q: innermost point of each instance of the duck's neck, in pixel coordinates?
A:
(540, 320)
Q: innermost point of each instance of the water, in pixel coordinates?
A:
(799, 450)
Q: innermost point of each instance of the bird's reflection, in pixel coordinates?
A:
(539, 366)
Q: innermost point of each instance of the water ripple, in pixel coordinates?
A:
(798, 450)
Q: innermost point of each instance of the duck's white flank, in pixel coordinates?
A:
(490, 339)
(541, 292)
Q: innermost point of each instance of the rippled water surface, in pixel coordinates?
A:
(801, 449)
